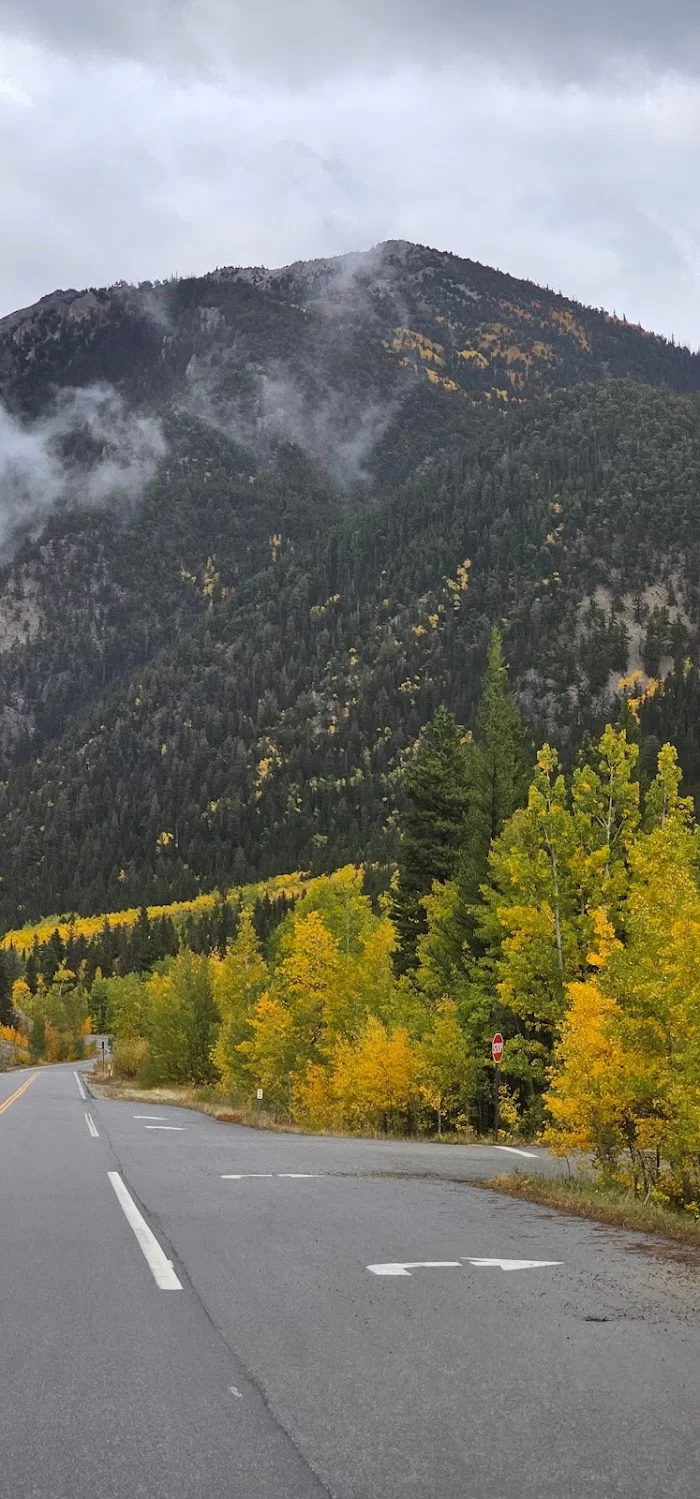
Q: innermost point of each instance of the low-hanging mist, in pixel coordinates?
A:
(88, 448)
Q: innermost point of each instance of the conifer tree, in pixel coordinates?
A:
(499, 773)
(436, 797)
(7, 1013)
(501, 766)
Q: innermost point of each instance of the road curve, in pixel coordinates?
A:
(191, 1310)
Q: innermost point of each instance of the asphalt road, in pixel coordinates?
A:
(293, 1353)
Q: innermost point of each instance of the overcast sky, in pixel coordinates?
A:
(557, 140)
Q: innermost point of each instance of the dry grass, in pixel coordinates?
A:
(586, 1199)
(210, 1101)
(204, 1100)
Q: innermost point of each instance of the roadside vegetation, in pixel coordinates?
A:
(606, 1202)
(562, 909)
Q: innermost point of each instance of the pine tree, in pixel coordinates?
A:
(503, 766)
(37, 1038)
(436, 797)
(7, 1013)
(500, 775)
(31, 973)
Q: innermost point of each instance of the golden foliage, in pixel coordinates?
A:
(14, 1039)
(475, 356)
(426, 348)
(22, 938)
(370, 1085)
(564, 320)
(318, 609)
(637, 689)
(457, 587)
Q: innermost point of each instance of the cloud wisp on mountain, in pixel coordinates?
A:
(87, 449)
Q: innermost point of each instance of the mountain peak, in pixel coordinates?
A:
(257, 525)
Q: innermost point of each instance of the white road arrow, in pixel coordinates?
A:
(405, 1269)
(407, 1266)
(514, 1264)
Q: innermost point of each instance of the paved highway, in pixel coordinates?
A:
(190, 1310)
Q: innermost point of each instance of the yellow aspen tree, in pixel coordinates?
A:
(369, 985)
(311, 981)
(657, 983)
(586, 1100)
(383, 1075)
(531, 911)
(269, 1052)
(605, 809)
(316, 1100)
(628, 1079)
(238, 980)
(22, 997)
(447, 1072)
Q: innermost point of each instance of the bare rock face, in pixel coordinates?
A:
(83, 307)
(57, 301)
(21, 611)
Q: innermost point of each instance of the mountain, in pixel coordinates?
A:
(257, 525)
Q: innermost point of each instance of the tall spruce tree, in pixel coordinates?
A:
(500, 772)
(7, 1013)
(436, 797)
(499, 777)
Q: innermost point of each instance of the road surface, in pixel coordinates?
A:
(190, 1310)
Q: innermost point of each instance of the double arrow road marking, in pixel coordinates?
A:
(407, 1266)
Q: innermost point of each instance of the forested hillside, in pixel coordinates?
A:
(258, 526)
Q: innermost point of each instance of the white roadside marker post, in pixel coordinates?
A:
(496, 1053)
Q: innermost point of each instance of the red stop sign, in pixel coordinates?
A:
(497, 1047)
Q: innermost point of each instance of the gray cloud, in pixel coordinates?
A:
(36, 471)
(308, 39)
(294, 400)
(553, 140)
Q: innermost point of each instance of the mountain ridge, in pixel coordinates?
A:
(319, 505)
(384, 280)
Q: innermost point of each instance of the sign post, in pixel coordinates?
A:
(496, 1054)
(259, 1095)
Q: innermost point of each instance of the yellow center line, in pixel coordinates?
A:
(18, 1092)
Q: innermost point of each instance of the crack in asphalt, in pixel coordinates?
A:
(158, 1228)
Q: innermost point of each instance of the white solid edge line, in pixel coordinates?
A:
(247, 1176)
(167, 1126)
(160, 1266)
(153, 1117)
(92, 1126)
(81, 1089)
(299, 1176)
(512, 1150)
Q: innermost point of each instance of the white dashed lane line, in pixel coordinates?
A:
(513, 1150)
(242, 1176)
(160, 1266)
